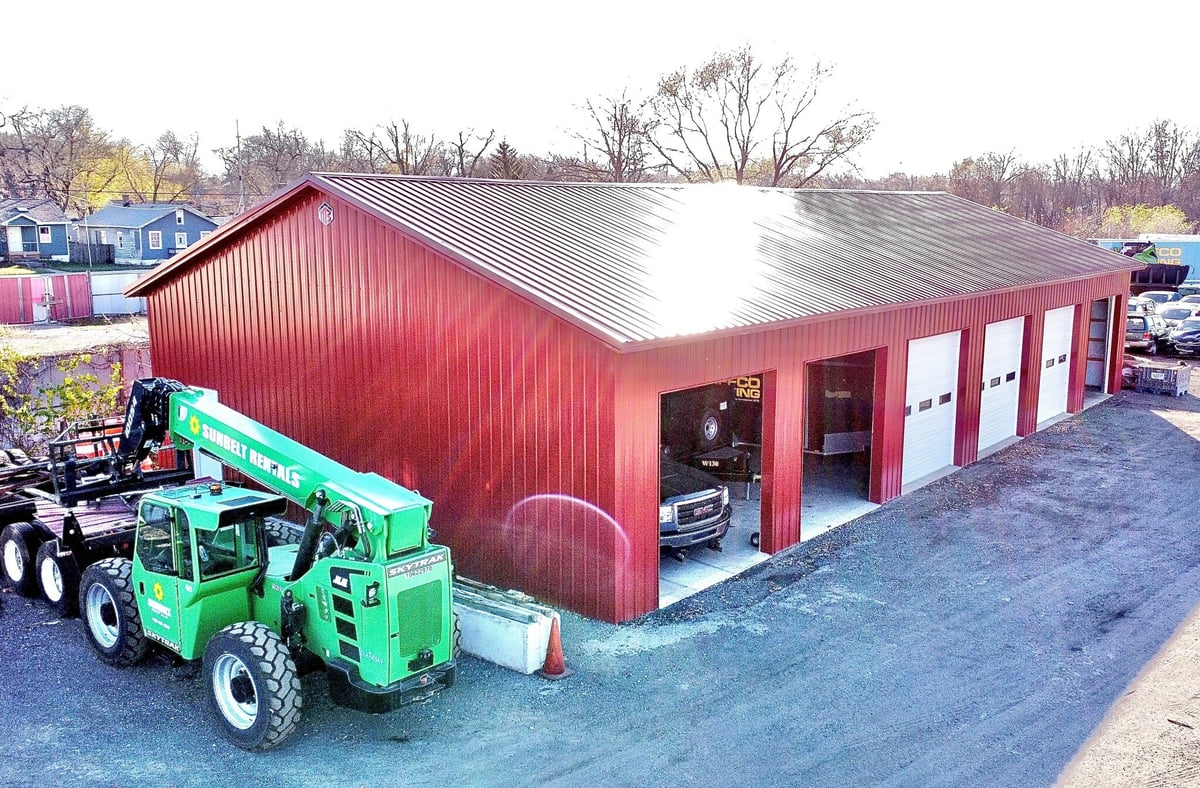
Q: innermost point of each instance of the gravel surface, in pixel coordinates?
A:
(974, 632)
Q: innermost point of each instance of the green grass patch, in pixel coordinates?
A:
(68, 268)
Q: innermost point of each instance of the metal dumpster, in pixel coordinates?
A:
(1159, 378)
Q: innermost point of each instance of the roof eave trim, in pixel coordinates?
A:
(638, 346)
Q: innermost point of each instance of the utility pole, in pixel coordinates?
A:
(241, 208)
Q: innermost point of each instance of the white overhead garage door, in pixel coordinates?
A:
(1056, 362)
(1001, 381)
(930, 405)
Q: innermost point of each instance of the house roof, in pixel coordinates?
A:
(633, 263)
(137, 215)
(41, 210)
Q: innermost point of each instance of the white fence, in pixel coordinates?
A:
(108, 294)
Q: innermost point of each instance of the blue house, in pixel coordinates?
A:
(145, 232)
(33, 229)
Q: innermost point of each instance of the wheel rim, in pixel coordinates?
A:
(711, 427)
(14, 565)
(234, 691)
(102, 615)
(52, 584)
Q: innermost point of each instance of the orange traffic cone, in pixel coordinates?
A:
(554, 667)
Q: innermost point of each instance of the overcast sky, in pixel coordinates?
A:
(945, 80)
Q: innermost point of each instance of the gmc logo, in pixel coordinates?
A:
(703, 510)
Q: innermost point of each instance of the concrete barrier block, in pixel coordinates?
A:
(509, 632)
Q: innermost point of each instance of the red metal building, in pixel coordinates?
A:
(502, 347)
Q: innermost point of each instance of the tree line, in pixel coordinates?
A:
(735, 117)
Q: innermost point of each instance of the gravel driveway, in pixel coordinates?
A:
(974, 632)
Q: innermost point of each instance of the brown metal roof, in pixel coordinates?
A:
(642, 262)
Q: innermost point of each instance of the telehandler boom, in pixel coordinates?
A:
(363, 594)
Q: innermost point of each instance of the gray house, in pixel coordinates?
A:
(146, 232)
(33, 229)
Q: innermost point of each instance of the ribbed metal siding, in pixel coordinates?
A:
(784, 352)
(537, 445)
(614, 257)
(376, 351)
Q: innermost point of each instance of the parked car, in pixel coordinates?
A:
(1176, 312)
(1194, 298)
(1161, 296)
(1184, 339)
(693, 508)
(1141, 306)
(1147, 333)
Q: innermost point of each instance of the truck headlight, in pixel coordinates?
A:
(724, 496)
(666, 514)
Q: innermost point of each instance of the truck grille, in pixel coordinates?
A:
(698, 511)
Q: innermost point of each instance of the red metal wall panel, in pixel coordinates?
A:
(16, 297)
(537, 444)
(72, 297)
(784, 353)
(373, 349)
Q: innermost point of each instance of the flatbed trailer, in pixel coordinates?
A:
(45, 546)
(198, 570)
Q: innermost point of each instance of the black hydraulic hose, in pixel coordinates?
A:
(308, 543)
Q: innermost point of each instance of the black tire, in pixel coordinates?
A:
(254, 690)
(713, 431)
(1153, 349)
(456, 648)
(18, 545)
(58, 578)
(282, 532)
(110, 614)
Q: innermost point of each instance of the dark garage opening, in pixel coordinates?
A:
(838, 421)
(716, 430)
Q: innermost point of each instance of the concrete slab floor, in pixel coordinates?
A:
(702, 567)
(835, 490)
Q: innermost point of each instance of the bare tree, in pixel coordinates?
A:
(51, 153)
(1173, 154)
(268, 161)
(619, 135)
(734, 117)
(465, 152)
(986, 180)
(1127, 163)
(399, 148)
(173, 166)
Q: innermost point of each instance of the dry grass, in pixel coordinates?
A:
(57, 339)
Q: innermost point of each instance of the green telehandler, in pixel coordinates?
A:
(362, 591)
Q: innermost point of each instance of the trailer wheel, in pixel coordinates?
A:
(110, 613)
(58, 578)
(18, 543)
(713, 430)
(255, 691)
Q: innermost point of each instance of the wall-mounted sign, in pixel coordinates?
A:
(325, 214)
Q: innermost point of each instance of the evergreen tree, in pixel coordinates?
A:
(506, 163)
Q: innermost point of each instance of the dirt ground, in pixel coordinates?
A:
(58, 338)
(1029, 618)
(1151, 735)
